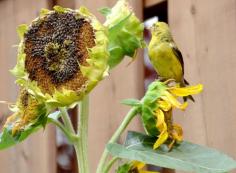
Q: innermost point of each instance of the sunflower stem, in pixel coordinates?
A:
(130, 115)
(110, 164)
(70, 136)
(81, 145)
(66, 120)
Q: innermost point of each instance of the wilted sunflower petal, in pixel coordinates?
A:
(164, 105)
(185, 91)
(161, 139)
(160, 118)
(177, 132)
(173, 101)
(162, 127)
(138, 165)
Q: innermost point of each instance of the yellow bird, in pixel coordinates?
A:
(165, 55)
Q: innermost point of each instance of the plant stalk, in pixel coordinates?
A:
(110, 164)
(66, 119)
(130, 115)
(70, 136)
(81, 145)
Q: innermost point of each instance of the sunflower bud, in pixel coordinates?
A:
(125, 32)
(158, 103)
(27, 113)
(62, 55)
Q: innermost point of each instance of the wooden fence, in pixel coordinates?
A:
(204, 31)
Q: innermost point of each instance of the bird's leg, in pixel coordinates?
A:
(168, 81)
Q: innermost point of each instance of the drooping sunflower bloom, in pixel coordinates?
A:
(27, 112)
(158, 103)
(62, 55)
(134, 167)
(125, 32)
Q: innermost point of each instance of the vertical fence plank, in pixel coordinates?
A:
(36, 154)
(106, 112)
(205, 31)
(182, 24)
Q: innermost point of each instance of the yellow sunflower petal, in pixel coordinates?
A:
(162, 127)
(162, 138)
(189, 90)
(173, 101)
(138, 165)
(164, 105)
(160, 118)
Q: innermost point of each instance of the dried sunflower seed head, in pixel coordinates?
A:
(62, 55)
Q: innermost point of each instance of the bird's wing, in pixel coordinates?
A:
(178, 54)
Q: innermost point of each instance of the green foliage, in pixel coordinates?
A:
(149, 107)
(7, 139)
(131, 102)
(115, 47)
(123, 168)
(186, 156)
(125, 32)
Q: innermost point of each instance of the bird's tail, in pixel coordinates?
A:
(190, 97)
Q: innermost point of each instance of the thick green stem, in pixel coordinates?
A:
(79, 140)
(81, 146)
(131, 114)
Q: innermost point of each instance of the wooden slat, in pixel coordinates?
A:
(150, 3)
(65, 3)
(36, 154)
(183, 29)
(205, 32)
(106, 112)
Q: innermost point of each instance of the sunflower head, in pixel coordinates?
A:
(62, 55)
(125, 32)
(27, 112)
(158, 103)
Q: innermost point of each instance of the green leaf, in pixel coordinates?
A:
(123, 168)
(186, 157)
(131, 102)
(7, 139)
(105, 11)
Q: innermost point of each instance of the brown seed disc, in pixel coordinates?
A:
(55, 45)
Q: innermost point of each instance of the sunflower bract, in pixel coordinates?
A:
(125, 32)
